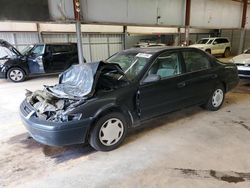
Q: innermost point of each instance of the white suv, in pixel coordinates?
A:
(216, 45)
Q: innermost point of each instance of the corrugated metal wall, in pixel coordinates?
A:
(20, 39)
(95, 46)
(234, 37)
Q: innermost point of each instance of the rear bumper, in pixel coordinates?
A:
(243, 71)
(53, 133)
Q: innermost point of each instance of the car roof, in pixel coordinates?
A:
(56, 43)
(215, 38)
(153, 50)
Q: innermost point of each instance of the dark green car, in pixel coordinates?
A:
(99, 102)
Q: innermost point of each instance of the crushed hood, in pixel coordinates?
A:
(7, 45)
(79, 80)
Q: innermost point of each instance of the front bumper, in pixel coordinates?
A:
(244, 71)
(54, 133)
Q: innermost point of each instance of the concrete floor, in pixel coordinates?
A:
(189, 148)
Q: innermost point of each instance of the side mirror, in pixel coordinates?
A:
(214, 43)
(245, 51)
(151, 78)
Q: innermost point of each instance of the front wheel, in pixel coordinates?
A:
(16, 74)
(109, 132)
(216, 99)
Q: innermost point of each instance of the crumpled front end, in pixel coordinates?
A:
(51, 108)
(53, 115)
(76, 85)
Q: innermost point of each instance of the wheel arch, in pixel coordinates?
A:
(15, 66)
(109, 109)
(114, 108)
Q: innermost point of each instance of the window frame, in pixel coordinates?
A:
(200, 52)
(182, 66)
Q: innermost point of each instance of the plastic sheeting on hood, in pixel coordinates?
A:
(76, 82)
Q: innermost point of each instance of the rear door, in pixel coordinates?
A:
(199, 78)
(60, 57)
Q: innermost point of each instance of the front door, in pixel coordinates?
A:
(160, 96)
(35, 59)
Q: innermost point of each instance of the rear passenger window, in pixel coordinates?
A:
(166, 65)
(61, 48)
(195, 61)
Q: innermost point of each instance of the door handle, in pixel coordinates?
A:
(181, 84)
(213, 76)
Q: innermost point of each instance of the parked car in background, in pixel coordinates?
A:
(214, 46)
(242, 62)
(38, 59)
(99, 102)
(148, 44)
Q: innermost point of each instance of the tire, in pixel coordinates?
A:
(208, 51)
(16, 74)
(227, 52)
(101, 137)
(216, 99)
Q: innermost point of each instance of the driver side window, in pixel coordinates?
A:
(166, 65)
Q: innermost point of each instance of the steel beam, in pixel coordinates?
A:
(76, 4)
(243, 24)
(187, 21)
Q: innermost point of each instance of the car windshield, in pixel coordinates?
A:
(203, 41)
(26, 50)
(37, 50)
(131, 63)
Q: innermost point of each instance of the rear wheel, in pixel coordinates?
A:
(216, 99)
(109, 132)
(227, 52)
(16, 74)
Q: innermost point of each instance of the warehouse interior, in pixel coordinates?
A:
(189, 147)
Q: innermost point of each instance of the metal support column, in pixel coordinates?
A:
(125, 35)
(79, 42)
(77, 10)
(40, 37)
(177, 38)
(243, 30)
(187, 21)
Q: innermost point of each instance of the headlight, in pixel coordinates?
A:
(65, 117)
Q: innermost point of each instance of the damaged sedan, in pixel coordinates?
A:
(99, 102)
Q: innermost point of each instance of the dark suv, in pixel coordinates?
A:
(38, 59)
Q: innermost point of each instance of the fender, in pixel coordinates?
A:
(112, 107)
